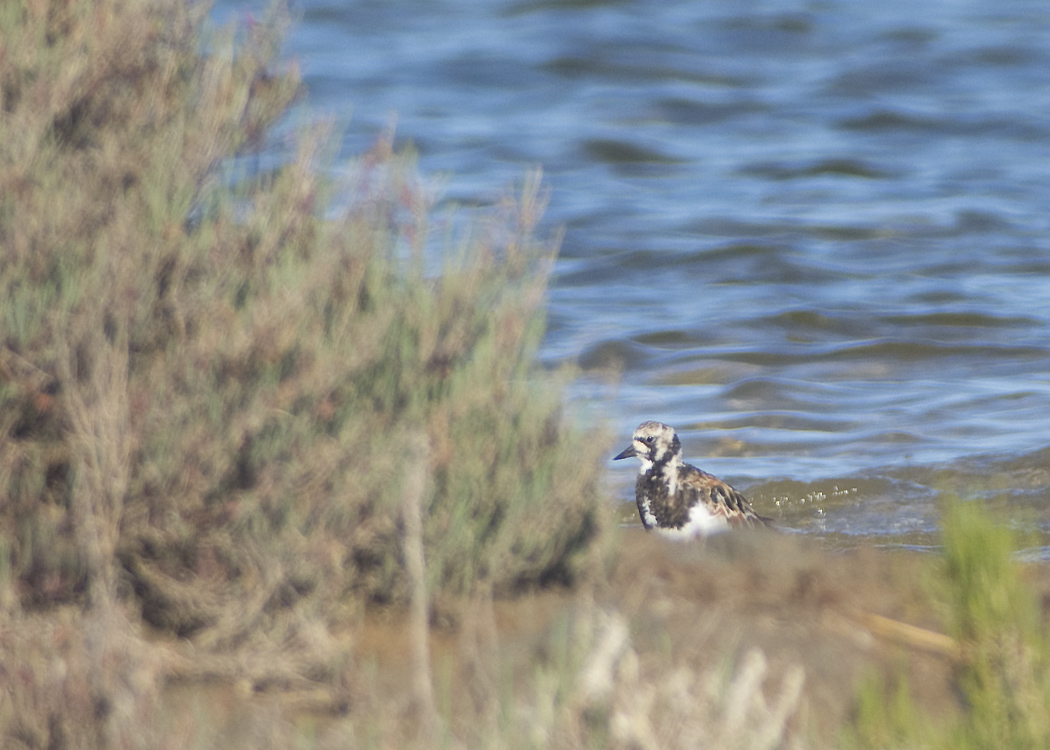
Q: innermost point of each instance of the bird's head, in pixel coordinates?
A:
(653, 443)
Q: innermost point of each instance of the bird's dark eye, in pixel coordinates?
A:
(649, 440)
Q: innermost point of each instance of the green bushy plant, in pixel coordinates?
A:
(1004, 645)
(212, 388)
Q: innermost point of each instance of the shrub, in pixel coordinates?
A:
(1004, 647)
(212, 389)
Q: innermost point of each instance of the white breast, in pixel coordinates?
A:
(700, 524)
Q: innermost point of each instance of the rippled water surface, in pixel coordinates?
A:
(815, 237)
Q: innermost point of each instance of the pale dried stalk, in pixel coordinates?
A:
(97, 408)
(417, 459)
(121, 677)
(911, 635)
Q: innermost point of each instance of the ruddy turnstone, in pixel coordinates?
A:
(677, 498)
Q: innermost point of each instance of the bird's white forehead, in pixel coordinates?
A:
(653, 440)
(653, 429)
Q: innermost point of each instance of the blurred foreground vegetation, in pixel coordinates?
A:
(218, 400)
(233, 417)
(1001, 668)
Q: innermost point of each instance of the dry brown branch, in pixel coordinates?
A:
(910, 635)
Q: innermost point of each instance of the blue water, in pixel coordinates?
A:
(814, 236)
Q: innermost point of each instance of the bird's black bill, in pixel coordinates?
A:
(626, 454)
